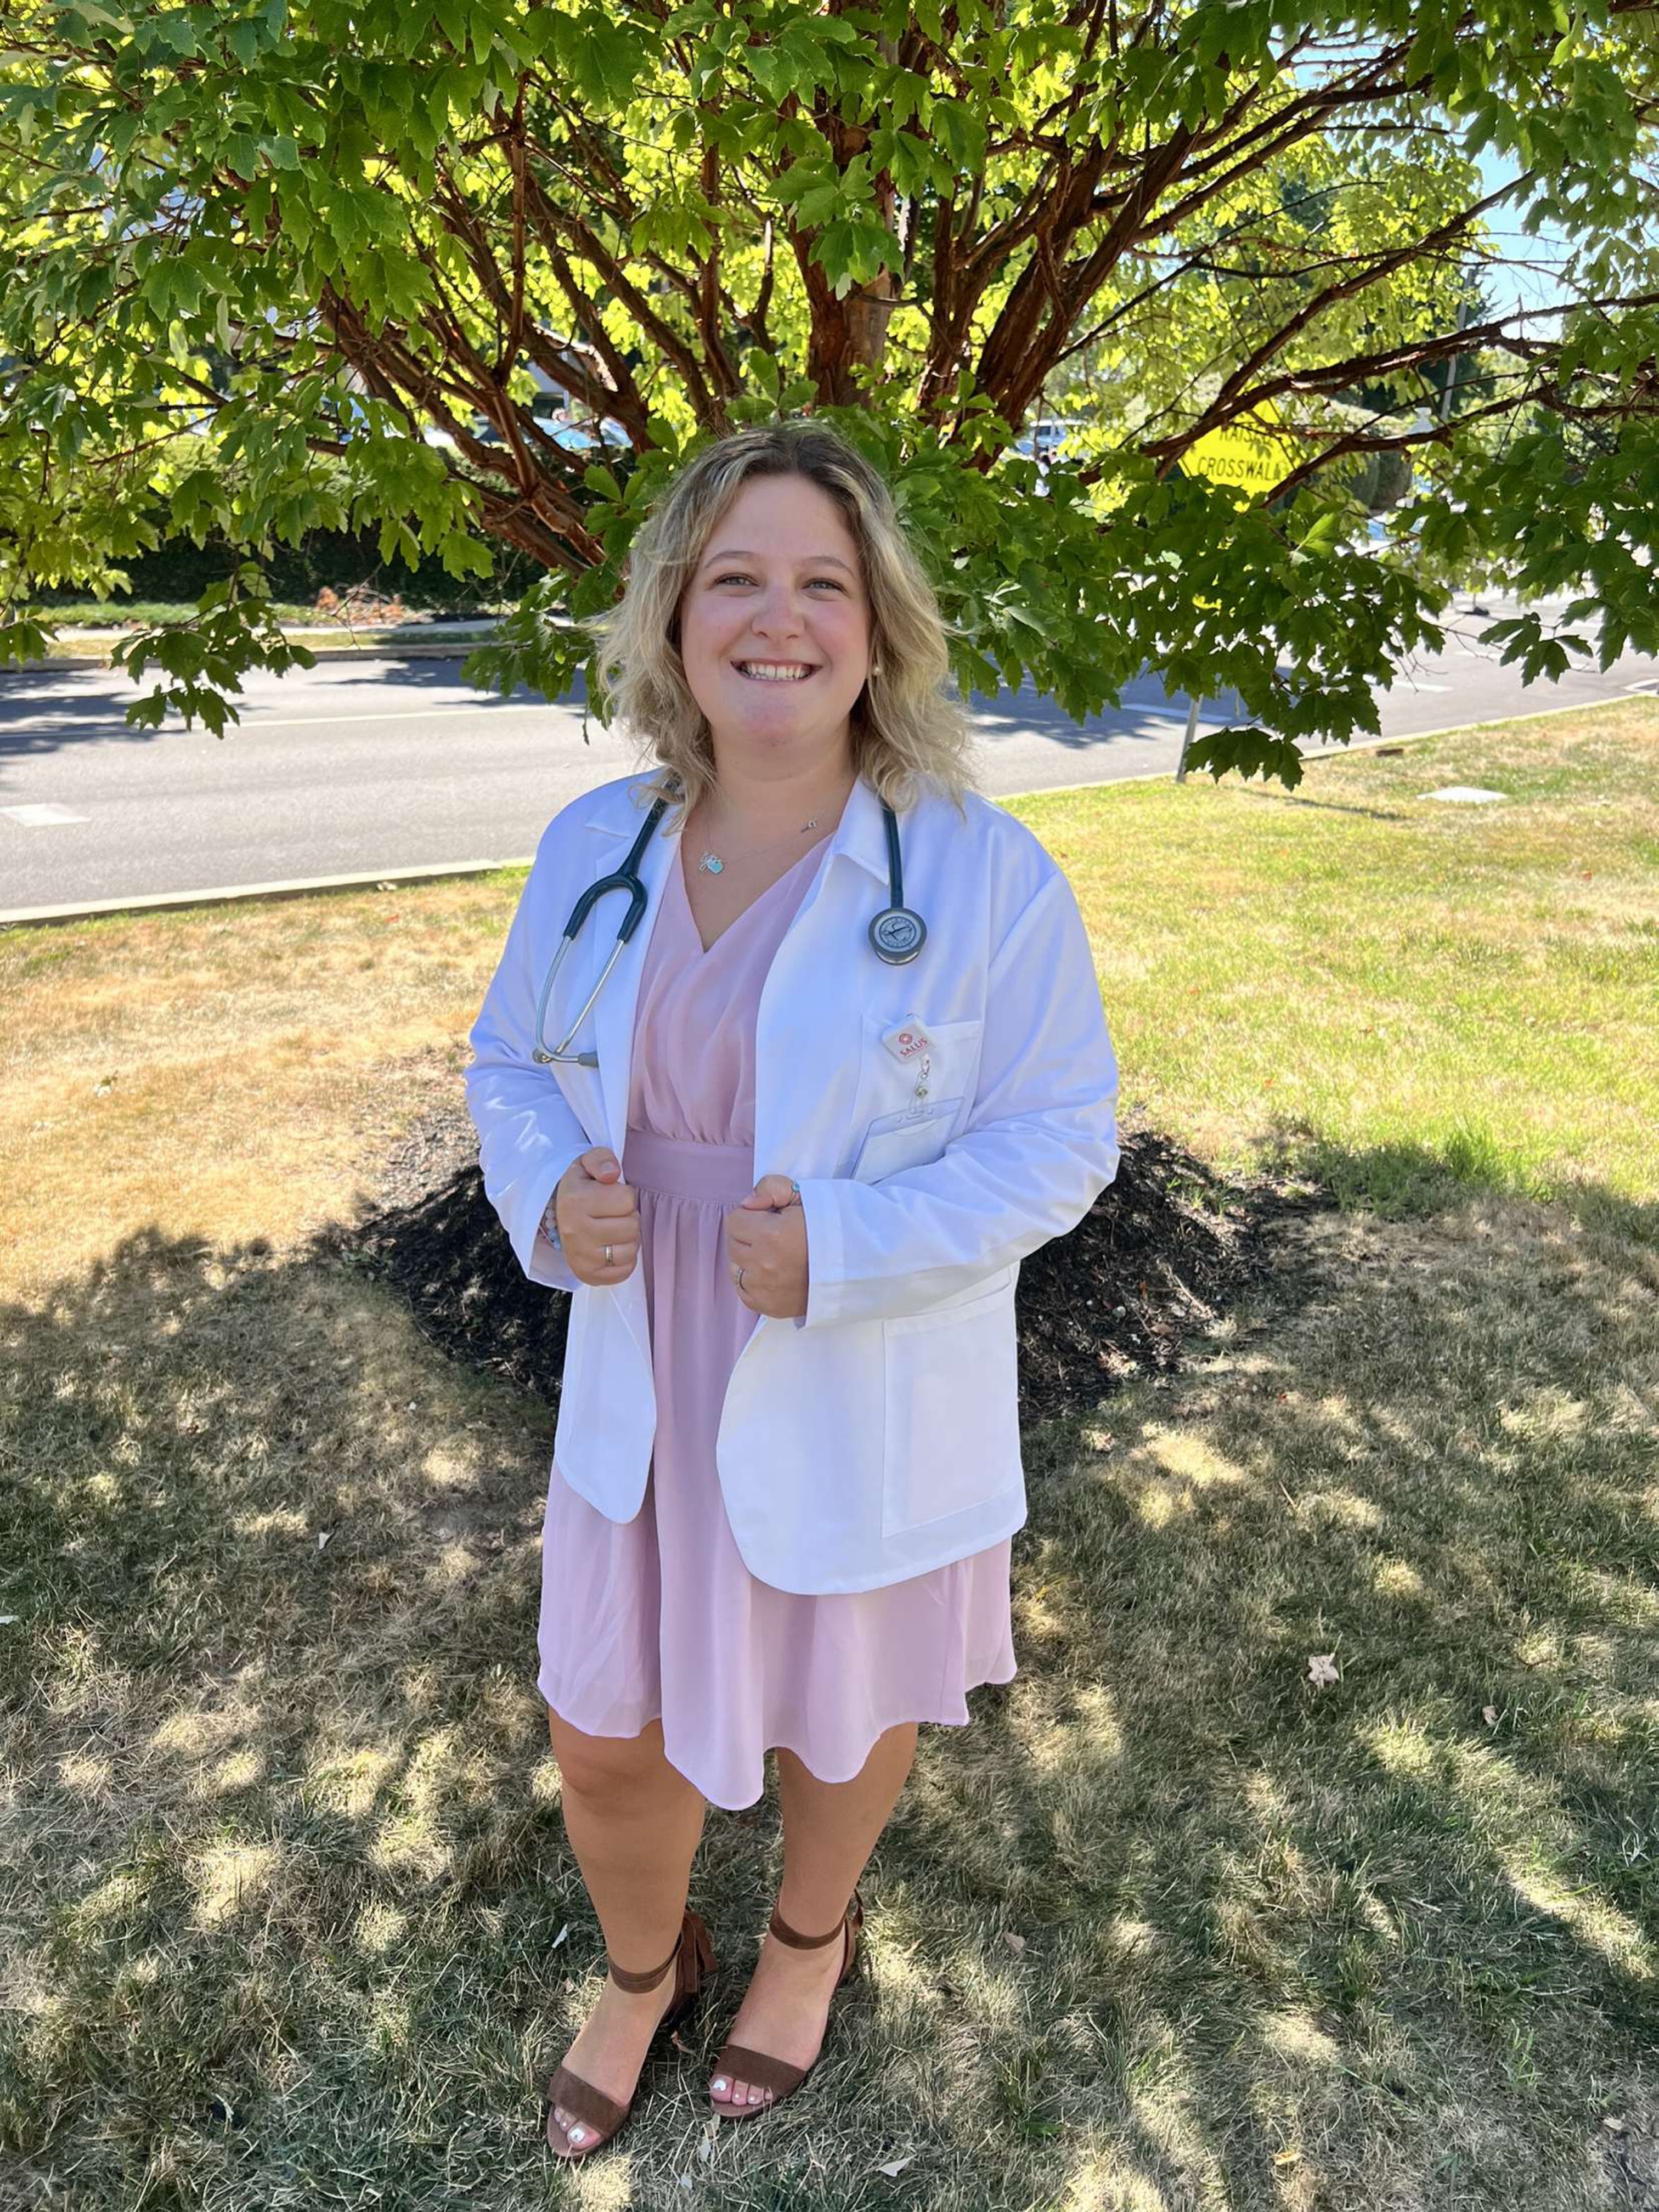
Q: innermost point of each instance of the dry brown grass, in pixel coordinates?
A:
(230, 1072)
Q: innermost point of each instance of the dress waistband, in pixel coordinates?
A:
(686, 1168)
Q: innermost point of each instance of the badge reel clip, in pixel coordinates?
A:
(909, 1044)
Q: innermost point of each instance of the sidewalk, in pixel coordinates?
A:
(409, 641)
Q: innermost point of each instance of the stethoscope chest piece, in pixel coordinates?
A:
(897, 935)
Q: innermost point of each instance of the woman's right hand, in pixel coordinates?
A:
(593, 1207)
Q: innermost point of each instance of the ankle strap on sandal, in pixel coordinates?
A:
(626, 1979)
(785, 1934)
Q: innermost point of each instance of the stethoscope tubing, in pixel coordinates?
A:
(895, 935)
(624, 879)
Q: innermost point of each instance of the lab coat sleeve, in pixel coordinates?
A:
(528, 1134)
(1038, 1147)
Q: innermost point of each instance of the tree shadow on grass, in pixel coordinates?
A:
(292, 1914)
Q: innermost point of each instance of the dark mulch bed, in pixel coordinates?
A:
(1166, 1249)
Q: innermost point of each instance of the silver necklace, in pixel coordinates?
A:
(711, 864)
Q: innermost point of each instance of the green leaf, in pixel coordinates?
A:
(21, 639)
(455, 21)
(963, 134)
(170, 31)
(612, 61)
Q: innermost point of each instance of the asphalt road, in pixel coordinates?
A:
(363, 766)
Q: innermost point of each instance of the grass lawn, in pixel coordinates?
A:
(287, 1916)
(107, 614)
(110, 614)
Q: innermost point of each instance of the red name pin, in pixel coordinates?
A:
(907, 1039)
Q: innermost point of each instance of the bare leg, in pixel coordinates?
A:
(829, 1830)
(634, 1823)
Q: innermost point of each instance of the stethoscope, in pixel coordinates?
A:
(896, 934)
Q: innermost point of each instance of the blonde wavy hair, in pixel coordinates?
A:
(904, 726)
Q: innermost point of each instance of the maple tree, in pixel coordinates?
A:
(272, 268)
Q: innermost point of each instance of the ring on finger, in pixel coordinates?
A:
(607, 1255)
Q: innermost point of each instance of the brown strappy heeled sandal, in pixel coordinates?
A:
(759, 2068)
(693, 1956)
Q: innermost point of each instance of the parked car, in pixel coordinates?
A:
(1045, 440)
(578, 437)
(574, 437)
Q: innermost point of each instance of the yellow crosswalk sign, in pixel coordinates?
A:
(1244, 456)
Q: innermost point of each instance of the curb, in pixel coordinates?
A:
(299, 887)
(454, 651)
(422, 646)
(1332, 752)
(1341, 751)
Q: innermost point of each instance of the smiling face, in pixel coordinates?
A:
(775, 627)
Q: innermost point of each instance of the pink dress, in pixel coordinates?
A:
(659, 1615)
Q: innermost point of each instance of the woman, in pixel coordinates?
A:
(789, 1190)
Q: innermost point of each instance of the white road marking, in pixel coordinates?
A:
(42, 816)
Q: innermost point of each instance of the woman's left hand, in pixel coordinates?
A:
(766, 1240)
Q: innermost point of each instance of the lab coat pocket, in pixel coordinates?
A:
(904, 1139)
(952, 1407)
(901, 1129)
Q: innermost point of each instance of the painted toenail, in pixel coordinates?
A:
(720, 2084)
(576, 2134)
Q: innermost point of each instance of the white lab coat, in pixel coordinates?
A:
(878, 1436)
